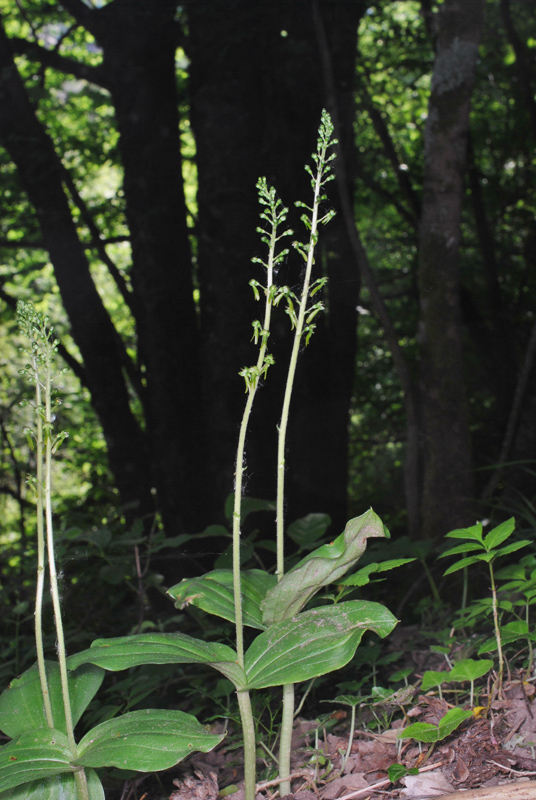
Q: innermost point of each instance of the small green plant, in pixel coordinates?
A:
(521, 587)
(467, 669)
(429, 733)
(486, 549)
(353, 701)
(40, 710)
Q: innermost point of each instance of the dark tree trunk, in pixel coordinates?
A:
(102, 351)
(139, 44)
(256, 97)
(448, 484)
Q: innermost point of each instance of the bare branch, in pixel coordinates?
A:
(52, 59)
(400, 169)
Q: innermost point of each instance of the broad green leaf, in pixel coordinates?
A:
(382, 695)
(433, 678)
(362, 576)
(420, 731)
(468, 669)
(308, 530)
(467, 547)
(467, 562)
(33, 755)
(498, 535)
(511, 548)
(475, 532)
(426, 732)
(146, 741)
(160, 648)
(213, 593)
(321, 567)
(21, 704)
(511, 632)
(452, 720)
(60, 787)
(514, 572)
(313, 643)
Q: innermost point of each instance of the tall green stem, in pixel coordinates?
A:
(80, 776)
(43, 349)
(38, 615)
(281, 442)
(274, 215)
(248, 736)
(304, 314)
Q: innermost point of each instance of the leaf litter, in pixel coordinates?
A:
(490, 756)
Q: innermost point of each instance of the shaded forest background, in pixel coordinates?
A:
(131, 138)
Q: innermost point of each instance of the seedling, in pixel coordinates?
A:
(433, 679)
(398, 771)
(429, 733)
(488, 548)
(353, 701)
(470, 670)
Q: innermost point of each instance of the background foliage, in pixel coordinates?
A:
(132, 136)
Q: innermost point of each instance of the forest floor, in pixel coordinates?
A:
(490, 756)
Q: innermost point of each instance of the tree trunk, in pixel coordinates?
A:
(102, 351)
(256, 97)
(448, 484)
(139, 44)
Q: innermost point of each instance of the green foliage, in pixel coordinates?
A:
(427, 732)
(40, 709)
(466, 669)
(295, 644)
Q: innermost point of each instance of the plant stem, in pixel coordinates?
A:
(350, 740)
(38, 615)
(252, 377)
(529, 642)
(248, 735)
(252, 382)
(286, 737)
(497, 629)
(80, 777)
(318, 180)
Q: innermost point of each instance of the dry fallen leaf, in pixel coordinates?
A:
(431, 784)
(201, 785)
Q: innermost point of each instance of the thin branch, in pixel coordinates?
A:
(126, 294)
(35, 244)
(96, 240)
(400, 169)
(515, 413)
(376, 299)
(22, 244)
(388, 197)
(52, 59)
